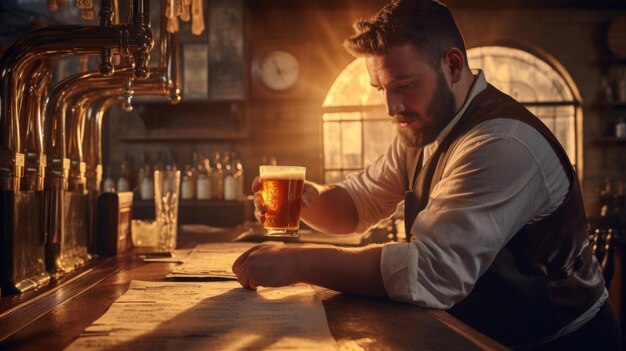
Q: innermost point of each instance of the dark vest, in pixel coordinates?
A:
(542, 279)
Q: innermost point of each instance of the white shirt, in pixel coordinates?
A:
(502, 175)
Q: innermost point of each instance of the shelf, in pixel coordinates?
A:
(193, 203)
(184, 134)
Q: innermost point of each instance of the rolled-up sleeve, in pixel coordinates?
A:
(492, 186)
(379, 188)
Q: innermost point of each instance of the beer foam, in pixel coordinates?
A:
(282, 172)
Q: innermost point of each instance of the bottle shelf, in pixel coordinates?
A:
(193, 203)
(185, 134)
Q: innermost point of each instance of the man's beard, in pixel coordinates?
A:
(441, 110)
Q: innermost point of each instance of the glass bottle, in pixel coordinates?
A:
(204, 190)
(194, 167)
(188, 188)
(240, 179)
(230, 179)
(218, 177)
(109, 183)
(123, 182)
(146, 189)
(170, 166)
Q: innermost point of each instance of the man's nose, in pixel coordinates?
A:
(394, 105)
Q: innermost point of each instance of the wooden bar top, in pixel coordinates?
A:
(52, 317)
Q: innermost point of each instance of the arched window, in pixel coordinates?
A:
(356, 128)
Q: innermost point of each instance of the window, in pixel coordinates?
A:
(356, 128)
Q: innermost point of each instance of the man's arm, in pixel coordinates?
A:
(332, 211)
(349, 270)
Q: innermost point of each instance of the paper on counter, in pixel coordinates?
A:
(212, 260)
(210, 316)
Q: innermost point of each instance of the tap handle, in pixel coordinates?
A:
(141, 60)
(106, 67)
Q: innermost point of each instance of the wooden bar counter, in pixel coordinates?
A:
(52, 317)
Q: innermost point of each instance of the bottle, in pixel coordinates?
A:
(240, 179)
(187, 186)
(208, 170)
(146, 189)
(218, 177)
(123, 182)
(144, 167)
(230, 180)
(170, 167)
(109, 184)
(195, 164)
(204, 190)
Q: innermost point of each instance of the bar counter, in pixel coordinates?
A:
(52, 317)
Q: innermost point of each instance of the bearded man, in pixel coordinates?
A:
(493, 208)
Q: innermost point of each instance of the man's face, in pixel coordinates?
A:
(417, 96)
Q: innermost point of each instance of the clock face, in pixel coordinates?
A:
(279, 70)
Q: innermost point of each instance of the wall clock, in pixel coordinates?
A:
(278, 71)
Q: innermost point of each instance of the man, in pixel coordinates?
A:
(493, 207)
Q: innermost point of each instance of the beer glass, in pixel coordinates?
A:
(166, 191)
(281, 189)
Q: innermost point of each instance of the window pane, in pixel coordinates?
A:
(351, 145)
(332, 145)
(377, 136)
(560, 120)
(519, 74)
(352, 87)
(332, 177)
(377, 112)
(342, 116)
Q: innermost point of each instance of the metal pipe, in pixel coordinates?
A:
(31, 131)
(92, 141)
(106, 20)
(134, 39)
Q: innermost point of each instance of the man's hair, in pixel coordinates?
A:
(426, 24)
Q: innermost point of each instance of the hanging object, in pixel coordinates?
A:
(185, 14)
(86, 8)
(185, 10)
(172, 25)
(197, 17)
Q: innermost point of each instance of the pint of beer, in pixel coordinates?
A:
(281, 189)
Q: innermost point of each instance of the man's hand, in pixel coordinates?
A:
(266, 265)
(310, 194)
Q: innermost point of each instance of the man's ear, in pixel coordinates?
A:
(453, 64)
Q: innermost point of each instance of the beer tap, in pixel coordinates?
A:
(92, 140)
(133, 39)
(32, 132)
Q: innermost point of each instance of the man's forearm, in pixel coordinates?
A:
(332, 212)
(355, 271)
